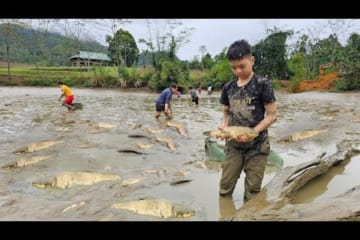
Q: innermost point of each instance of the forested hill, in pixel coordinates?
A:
(44, 48)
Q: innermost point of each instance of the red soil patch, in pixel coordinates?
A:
(324, 83)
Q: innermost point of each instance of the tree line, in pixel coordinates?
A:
(275, 58)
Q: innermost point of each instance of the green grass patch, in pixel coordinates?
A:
(49, 76)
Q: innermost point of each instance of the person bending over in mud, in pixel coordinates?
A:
(163, 102)
(69, 96)
(249, 101)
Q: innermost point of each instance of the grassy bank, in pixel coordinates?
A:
(107, 77)
(104, 77)
(49, 76)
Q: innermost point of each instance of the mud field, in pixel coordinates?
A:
(116, 134)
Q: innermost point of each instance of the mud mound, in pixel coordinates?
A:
(324, 83)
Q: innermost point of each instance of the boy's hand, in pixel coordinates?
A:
(221, 136)
(168, 114)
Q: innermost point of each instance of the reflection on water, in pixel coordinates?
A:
(30, 115)
(317, 186)
(328, 184)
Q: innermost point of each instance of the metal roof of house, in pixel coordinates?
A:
(92, 56)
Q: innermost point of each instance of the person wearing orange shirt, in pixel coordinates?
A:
(68, 94)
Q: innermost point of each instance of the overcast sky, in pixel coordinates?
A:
(216, 34)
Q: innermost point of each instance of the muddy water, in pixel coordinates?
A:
(31, 115)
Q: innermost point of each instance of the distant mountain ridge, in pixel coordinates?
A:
(45, 48)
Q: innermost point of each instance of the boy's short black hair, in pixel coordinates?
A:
(238, 50)
(60, 83)
(173, 85)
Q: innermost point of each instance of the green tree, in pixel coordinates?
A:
(123, 48)
(301, 45)
(195, 63)
(270, 55)
(298, 68)
(221, 56)
(168, 40)
(222, 73)
(327, 50)
(350, 64)
(207, 61)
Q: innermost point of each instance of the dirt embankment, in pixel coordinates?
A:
(324, 83)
